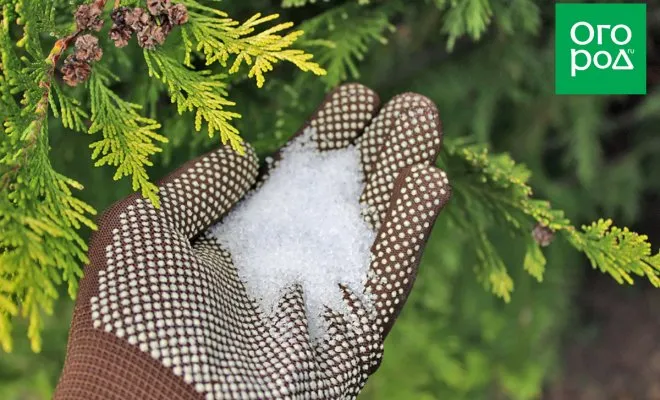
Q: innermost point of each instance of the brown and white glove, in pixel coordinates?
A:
(162, 313)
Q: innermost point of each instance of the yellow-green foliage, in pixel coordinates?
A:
(40, 218)
(197, 91)
(493, 189)
(218, 37)
(128, 138)
(618, 252)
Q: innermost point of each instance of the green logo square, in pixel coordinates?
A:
(600, 48)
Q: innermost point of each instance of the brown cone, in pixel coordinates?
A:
(75, 71)
(88, 16)
(158, 7)
(87, 48)
(120, 35)
(137, 19)
(178, 14)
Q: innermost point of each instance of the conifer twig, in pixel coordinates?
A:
(53, 57)
(41, 108)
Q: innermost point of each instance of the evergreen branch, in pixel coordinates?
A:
(35, 17)
(491, 189)
(504, 183)
(38, 235)
(491, 269)
(44, 74)
(39, 242)
(347, 32)
(128, 138)
(534, 261)
(218, 37)
(54, 56)
(198, 91)
(465, 16)
(473, 17)
(618, 252)
(69, 110)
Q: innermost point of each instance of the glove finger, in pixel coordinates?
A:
(205, 188)
(343, 115)
(420, 192)
(375, 135)
(413, 138)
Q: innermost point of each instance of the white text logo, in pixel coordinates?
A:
(612, 37)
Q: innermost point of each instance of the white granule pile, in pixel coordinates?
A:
(303, 226)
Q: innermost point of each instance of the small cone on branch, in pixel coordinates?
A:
(178, 15)
(151, 27)
(166, 28)
(77, 66)
(120, 33)
(137, 19)
(158, 7)
(160, 32)
(149, 37)
(75, 71)
(543, 235)
(118, 15)
(87, 48)
(88, 16)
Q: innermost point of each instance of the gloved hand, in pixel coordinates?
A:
(162, 313)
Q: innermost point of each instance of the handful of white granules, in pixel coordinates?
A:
(304, 226)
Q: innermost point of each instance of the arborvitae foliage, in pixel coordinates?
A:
(41, 217)
(488, 64)
(494, 189)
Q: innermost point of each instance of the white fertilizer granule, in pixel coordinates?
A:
(303, 226)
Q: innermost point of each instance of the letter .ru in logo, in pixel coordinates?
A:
(600, 48)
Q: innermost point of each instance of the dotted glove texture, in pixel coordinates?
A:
(162, 314)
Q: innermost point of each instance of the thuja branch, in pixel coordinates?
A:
(41, 108)
(493, 190)
(40, 218)
(87, 18)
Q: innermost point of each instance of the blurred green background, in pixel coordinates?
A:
(592, 156)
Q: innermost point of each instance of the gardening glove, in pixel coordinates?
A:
(162, 314)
